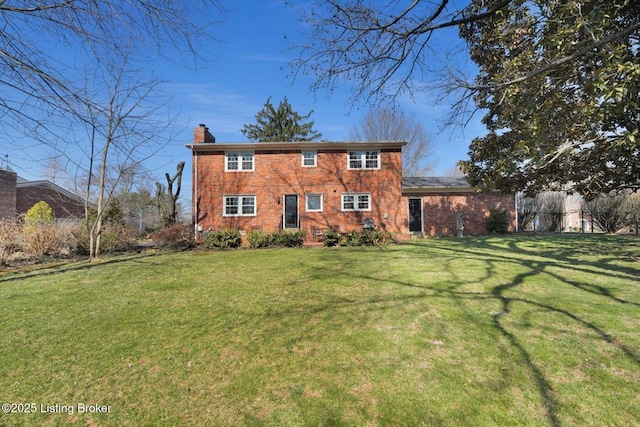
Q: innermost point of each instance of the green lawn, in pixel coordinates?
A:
(452, 332)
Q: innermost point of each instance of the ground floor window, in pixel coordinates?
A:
(356, 202)
(314, 202)
(239, 205)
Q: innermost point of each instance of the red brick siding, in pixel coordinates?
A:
(63, 206)
(440, 211)
(278, 173)
(8, 194)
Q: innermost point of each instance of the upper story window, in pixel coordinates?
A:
(238, 162)
(364, 159)
(309, 158)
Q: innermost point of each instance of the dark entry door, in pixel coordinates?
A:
(290, 211)
(415, 215)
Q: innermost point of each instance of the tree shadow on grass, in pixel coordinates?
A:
(534, 262)
(48, 270)
(486, 248)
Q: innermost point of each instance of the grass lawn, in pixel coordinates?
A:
(452, 332)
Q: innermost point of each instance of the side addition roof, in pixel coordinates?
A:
(435, 184)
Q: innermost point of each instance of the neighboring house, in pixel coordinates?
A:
(313, 186)
(575, 218)
(18, 195)
(572, 215)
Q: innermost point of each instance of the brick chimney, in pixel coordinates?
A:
(8, 180)
(201, 135)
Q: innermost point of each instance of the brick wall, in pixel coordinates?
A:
(63, 206)
(279, 173)
(441, 210)
(8, 181)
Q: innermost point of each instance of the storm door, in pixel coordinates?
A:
(291, 217)
(415, 215)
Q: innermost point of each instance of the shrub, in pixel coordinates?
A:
(258, 239)
(176, 236)
(609, 211)
(290, 239)
(39, 213)
(81, 240)
(373, 237)
(550, 206)
(117, 238)
(41, 238)
(332, 238)
(356, 238)
(67, 243)
(9, 242)
(498, 221)
(527, 211)
(352, 238)
(39, 231)
(223, 239)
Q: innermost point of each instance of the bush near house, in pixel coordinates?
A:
(227, 238)
(176, 236)
(356, 238)
(289, 239)
(498, 221)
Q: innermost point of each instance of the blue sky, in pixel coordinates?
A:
(246, 66)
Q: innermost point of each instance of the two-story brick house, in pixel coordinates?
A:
(312, 186)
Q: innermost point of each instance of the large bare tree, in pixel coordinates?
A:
(122, 126)
(383, 48)
(69, 66)
(44, 46)
(386, 124)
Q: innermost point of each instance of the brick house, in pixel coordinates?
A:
(313, 186)
(18, 195)
(436, 203)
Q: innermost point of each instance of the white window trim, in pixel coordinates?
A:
(315, 159)
(362, 154)
(355, 202)
(240, 198)
(239, 154)
(306, 204)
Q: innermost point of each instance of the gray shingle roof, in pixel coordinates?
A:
(434, 182)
